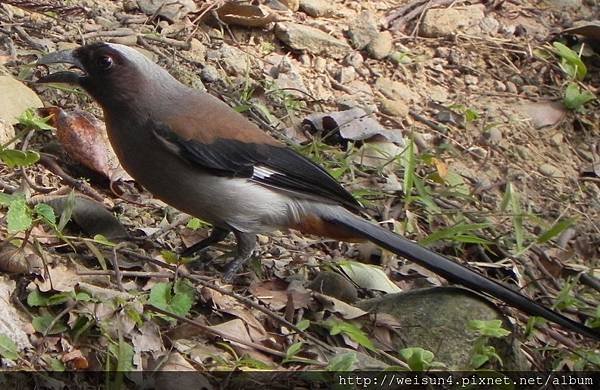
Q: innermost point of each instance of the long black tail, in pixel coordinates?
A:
(453, 271)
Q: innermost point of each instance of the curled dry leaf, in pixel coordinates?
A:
(354, 124)
(19, 260)
(165, 379)
(245, 15)
(334, 305)
(85, 140)
(276, 294)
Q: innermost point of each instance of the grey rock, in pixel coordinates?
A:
(380, 46)
(441, 22)
(15, 98)
(300, 37)
(557, 139)
(172, 10)
(346, 74)
(511, 87)
(489, 25)
(289, 78)
(439, 94)
(354, 59)
(564, 4)
(437, 319)
(320, 64)
(471, 80)
(499, 86)
(209, 74)
(362, 30)
(316, 8)
(493, 135)
(234, 61)
(523, 152)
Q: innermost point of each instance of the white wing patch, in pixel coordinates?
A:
(262, 172)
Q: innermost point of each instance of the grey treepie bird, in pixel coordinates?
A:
(197, 154)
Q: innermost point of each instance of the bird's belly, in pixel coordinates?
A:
(225, 202)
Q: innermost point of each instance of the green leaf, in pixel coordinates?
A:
(461, 232)
(18, 158)
(350, 330)
(6, 199)
(176, 299)
(342, 362)
(478, 360)
(304, 324)
(123, 353)
(8, 348)
(65, 216)
(100, 239)
(471, 115)
(555, 230)
(418, 359)
(490, 328)
(575, 98)
(32, 120)
(42, 323)
(409, 171)
(55, 364)
(194, 224)
(570, 62)
(170, 256)
(18, 218)
(60, 298)
(293, 350)
(36, 298)
(46, 212)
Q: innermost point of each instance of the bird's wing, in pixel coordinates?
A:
(273, 165)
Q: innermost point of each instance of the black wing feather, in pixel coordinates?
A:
(232, 158)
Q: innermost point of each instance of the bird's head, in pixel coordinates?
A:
(111, 73)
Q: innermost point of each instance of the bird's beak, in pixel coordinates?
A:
(61, 57)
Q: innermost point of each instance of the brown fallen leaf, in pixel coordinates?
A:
(245, 15)
(76, 360)
(19, 260)
(85, 140)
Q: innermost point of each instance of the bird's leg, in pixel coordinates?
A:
(217, 235)
(246, 243)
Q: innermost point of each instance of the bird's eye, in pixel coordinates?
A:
(104, 62)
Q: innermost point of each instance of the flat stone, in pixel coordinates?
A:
(15, 98)
(300, 37)
(354, 59)
(362, 30)
(316, 8)
(380, 46)
(209, 74)
(395, 108)
(168, 9)
(7, 131)
(394, 90)
(550, 171)
(442, 22)
(346, 74)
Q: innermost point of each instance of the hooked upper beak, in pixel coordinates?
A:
(58, 57)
